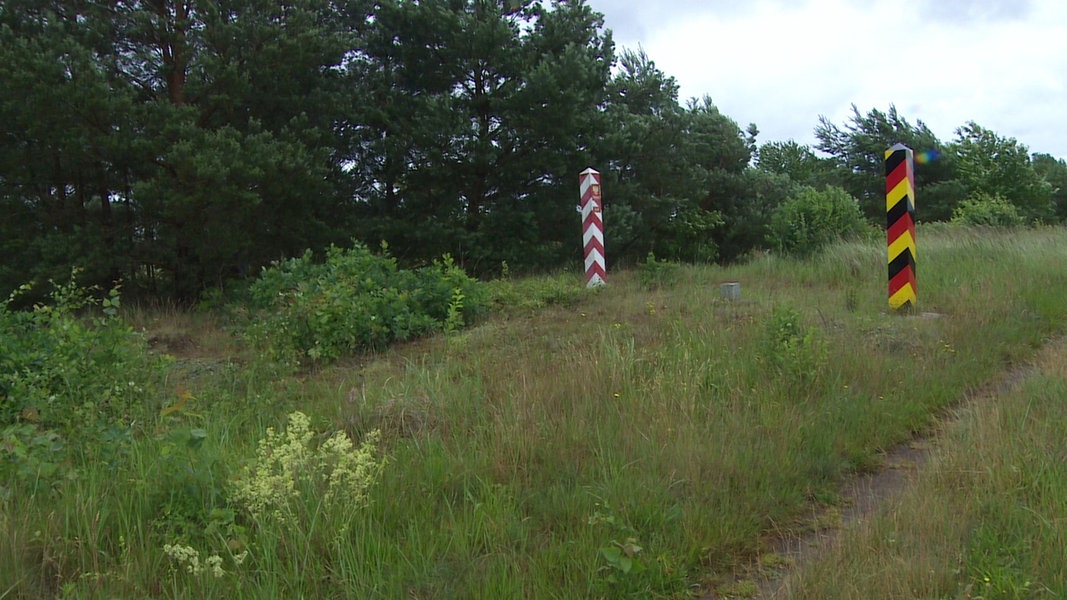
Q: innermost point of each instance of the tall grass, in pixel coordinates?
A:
(634, 442)
(986, 519)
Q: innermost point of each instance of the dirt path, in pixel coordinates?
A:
(861, 497)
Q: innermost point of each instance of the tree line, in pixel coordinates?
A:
(177, 144)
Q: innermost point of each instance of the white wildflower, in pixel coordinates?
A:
(184, 555)
(214, 562)
(286, 463)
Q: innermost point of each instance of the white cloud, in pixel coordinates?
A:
(782, 64)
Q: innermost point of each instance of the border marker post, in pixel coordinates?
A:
(900, 225)
(592, 228)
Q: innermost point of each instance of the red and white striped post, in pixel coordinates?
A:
(592, 228)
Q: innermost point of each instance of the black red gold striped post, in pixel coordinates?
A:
(900, 223)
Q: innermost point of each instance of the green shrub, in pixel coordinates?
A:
(657, 274)
(73, 382)
(356, 301)
(812, 219)
(983, 209)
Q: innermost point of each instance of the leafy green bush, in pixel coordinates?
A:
(983, 209)
(73, 381)
(356, 301)
(812, 219)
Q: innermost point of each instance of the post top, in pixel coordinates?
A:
(898, 146)
(590, 171)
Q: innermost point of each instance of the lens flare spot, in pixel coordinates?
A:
(927, 156)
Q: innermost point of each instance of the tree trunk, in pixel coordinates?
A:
(173, 23)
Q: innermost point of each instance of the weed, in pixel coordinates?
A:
(623, 562)
(73, 384)
(534, 293)
(288, 466)
(796, 353)
(746, 588)
(657, 274)
(454, 319)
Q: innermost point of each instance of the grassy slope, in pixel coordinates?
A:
(634, 443)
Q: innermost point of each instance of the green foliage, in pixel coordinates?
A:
(657, 274)
(172, 170)
(812, 218)
(675, 176)
(624, 564)
(454, 319)
(797, 354)
(32, 459)
(796, 161)
(188, 496)
(690, 235)
(753, 198)
(507, 105)
(994, 166)
(996, 560)
(70, 382)
(1054, 171)
(218, 212)
(533, 293)
(356, 301)
(992, 211)
(857, 151)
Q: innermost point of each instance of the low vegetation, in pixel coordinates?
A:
(305, 311)
(813, 219)
(643, 440)
(985, 519)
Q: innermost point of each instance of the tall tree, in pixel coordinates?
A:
(723, 153)
(1054, 171)
(995, 166)
(480, 115)
(797, 161)
(174, 142)
(650, 182)
(240, 101)
(67, 145)
(858, 151)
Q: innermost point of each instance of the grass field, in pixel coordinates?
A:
(638, 441)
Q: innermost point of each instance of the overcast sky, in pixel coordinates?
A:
(782, 63)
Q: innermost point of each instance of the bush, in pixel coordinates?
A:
(657, 274)
(812, 219)
(983, 209)
(356, 301)
(73, 381)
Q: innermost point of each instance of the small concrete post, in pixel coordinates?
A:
(731, 291)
